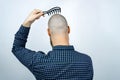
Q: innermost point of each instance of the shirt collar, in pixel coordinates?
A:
(62, 47)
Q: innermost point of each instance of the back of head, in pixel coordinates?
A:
(57, 24)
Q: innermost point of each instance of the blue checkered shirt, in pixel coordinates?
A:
(61, 63)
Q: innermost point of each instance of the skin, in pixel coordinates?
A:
(56, 38)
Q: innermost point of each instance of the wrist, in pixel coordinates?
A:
(26, 23)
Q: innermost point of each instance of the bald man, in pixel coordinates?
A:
(62, 62)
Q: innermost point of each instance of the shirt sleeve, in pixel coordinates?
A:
(90, 68)
(24, 55)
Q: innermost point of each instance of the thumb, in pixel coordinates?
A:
(38, 15)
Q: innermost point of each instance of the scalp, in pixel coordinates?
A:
(57, 23)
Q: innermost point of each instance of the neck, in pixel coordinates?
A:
(60, 40)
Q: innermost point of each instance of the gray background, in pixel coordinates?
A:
(95, 30)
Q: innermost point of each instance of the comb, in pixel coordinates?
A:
(53, 10)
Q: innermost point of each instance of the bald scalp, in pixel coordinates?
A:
(57, 24)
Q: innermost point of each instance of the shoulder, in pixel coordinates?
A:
(83, 56)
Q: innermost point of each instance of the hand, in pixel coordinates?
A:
(34, 15)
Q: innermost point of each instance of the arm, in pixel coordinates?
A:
(25, 55)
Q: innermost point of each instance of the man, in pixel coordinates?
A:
(63, 62)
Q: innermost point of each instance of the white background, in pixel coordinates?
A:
(95, 30)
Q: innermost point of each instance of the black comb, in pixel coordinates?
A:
(53, 10)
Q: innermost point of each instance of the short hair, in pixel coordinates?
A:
(57, 24)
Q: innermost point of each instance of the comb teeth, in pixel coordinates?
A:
(53, 10)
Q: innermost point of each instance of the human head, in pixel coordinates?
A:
(58, 27)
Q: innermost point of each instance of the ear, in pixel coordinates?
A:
(68, 29)
(48, 30)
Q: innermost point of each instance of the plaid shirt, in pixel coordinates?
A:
(61, 63)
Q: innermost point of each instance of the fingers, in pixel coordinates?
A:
(37, 13)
